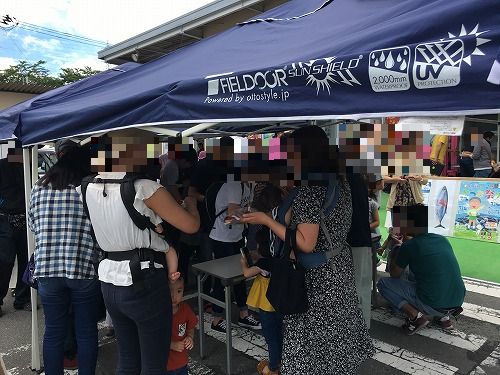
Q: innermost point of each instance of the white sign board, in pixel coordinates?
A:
(451, 125)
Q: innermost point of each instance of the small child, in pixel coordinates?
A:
(272, 322)
(183, 323)
(171, 257)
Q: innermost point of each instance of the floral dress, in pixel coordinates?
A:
(331, 337)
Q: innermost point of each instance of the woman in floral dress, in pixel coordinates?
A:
(331, 337)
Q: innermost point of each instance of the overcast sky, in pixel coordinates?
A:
(110, 21)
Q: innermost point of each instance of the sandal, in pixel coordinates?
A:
(261, 366)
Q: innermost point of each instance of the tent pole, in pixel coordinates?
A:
(197, 128)
(27, 165)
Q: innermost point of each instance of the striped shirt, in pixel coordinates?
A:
(64, 246)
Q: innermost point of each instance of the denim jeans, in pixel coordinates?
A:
(222, 250)
(142, 323)
(58, 294)
(13, 243)
(272, 328)
(400, 292)
(179, 371)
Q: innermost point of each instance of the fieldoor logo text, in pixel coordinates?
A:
(389, 69)
(270, 79)
(438, 64)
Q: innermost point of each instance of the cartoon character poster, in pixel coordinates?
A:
(442, 204)
(478, 211)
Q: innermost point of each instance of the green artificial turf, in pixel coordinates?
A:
(477, 259)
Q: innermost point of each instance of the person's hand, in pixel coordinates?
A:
(243, 263)
(174, 276)
(415, 178)
(257, 218)
(188, 343)
(380, 250)
(177, 346)
(159, 229)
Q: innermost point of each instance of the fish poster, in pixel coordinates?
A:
(478, 211)
(442, 206)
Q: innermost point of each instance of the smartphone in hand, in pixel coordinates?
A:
(246, 253)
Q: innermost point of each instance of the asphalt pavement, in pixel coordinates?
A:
(472, 347)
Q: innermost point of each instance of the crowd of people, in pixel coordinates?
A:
(115, 222)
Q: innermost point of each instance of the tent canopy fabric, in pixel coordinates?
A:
(9, 117)
(307, 59)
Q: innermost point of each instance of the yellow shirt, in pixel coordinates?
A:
(257, 294)
(439, 148)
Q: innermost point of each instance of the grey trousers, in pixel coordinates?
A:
(362, 260)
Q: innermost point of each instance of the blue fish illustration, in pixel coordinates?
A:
(441, 206)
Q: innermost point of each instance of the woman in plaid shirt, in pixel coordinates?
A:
(65, 259)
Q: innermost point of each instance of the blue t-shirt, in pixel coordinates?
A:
(437, 273)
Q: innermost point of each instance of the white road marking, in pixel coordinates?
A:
(452, 337)
(481, 287)
(253, 344)
(248, 342)
(197, 368)
(491, 365)
(484, 314)
(409, 362)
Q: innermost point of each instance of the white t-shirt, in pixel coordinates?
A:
(230, 192)
(115, 230)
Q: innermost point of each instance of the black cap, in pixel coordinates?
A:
(64, 145)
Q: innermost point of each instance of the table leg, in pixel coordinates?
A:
(229, 343)
(201, 314)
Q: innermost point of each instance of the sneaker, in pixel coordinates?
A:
(444, 323)
(220, 327)
(413, 326)
(249, 322)
(70, 364)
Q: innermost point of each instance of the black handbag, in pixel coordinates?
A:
(287, 287)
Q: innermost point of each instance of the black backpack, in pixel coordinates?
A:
(206, 208)
(127, 191)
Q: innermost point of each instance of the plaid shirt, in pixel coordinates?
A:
(64, 246)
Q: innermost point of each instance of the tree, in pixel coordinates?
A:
(38, 74)
(68, 75)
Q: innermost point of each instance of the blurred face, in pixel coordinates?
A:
(14, 154)
(177, 292)
(123, 153)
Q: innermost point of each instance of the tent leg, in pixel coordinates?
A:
(29, 167)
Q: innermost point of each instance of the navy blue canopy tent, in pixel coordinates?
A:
(9, 117)
(307, 59)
